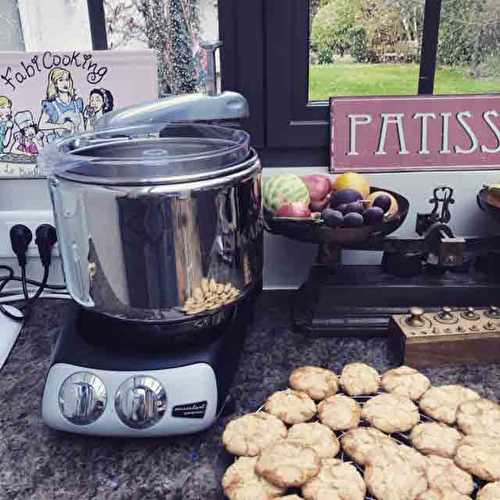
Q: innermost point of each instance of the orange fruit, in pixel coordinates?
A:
(352, 180)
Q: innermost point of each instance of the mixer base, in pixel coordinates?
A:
(90, 369)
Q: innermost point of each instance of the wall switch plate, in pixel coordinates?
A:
(30, 218)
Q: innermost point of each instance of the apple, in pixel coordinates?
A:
(320, 187)
(294, 209)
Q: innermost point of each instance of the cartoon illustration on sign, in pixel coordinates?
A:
(29, 139)
(62, 111)
(5, 123)
(100, 102)
(46, 96)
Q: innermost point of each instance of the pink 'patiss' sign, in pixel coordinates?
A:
(384, 134)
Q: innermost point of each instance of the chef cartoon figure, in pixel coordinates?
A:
(62, 111)
(29, 140)
(5, 124)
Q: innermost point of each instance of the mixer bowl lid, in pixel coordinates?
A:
(148, 155)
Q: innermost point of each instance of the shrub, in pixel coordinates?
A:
(331, 28)
(359, 44)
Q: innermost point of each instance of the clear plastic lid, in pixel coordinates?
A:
(149, 154)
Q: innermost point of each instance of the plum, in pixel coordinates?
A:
(295, 209)
(332, 218)
(382, 201)
(343, 208)
(353, 219)
(373, 216)
(386, 201)
(355, 206)
(344, 196)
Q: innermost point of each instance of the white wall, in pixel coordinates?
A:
(55, 24)
(11, 37)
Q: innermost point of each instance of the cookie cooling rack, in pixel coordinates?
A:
(226, 459)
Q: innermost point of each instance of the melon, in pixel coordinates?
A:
(285, 188)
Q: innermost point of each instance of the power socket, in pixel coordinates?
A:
(31, 219)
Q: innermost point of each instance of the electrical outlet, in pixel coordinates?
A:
(30, 218)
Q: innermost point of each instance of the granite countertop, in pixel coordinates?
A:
(39, 463)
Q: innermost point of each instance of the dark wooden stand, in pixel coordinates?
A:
(359, 300)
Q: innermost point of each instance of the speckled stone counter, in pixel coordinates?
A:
(39, 463)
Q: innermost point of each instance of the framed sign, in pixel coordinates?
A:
(388, 134)
(47, 95)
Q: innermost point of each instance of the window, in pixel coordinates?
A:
(364, 47)
(174, 28)
(275, 53)
(469, 47)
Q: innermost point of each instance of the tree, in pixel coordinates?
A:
(469, 32)
(169, 26)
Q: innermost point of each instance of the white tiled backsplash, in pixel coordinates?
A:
(287, 262)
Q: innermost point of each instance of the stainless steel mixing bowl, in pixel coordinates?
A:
(145, 215)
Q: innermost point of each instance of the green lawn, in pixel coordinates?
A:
(389, 79)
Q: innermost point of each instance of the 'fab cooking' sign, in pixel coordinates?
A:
(383, 134)
(48, 95)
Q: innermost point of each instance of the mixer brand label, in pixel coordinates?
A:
(190, 410)
(384, 134)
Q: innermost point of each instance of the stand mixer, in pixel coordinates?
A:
(159, 220)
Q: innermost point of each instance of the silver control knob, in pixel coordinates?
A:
(82, 398)
(140, 402)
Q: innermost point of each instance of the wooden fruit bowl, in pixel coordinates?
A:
(316, 231)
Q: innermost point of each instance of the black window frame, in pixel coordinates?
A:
(265, 56)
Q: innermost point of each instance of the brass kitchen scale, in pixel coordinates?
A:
(435, 269)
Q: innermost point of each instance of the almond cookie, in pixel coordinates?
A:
(339, 412)
(479, 454)
(318, 383)
(434, 494)
(287, 464)
(433, 438)
(250, 434)
(358, 379)
(391, 413)
(480, 416)
(405, 381)
(442, 402)
(361, 443)
(336, 479)
(489, 492)
(395, 476)
(444, 475)
(293, 407)
(316, 436)
(240, 482)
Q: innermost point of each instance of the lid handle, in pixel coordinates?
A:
(211, 47)
(208, 107)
